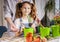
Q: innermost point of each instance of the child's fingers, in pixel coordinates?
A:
(44, 40)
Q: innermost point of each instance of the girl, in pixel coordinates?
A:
(26, 16)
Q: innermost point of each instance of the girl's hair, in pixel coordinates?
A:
(19, 12)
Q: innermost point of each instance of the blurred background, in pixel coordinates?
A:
(40, 5)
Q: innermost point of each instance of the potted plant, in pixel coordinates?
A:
(50, 5)
(57, 19)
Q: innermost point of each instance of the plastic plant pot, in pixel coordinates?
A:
(45, 31)
(55, 30)
(28, 30)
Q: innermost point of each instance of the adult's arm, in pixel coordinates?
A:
(8, 16)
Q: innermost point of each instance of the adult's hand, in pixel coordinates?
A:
(11, 24)
(14, 28)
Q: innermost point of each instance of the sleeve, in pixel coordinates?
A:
(17, 23)
(7, 10)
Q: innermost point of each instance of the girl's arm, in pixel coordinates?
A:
(37, 22)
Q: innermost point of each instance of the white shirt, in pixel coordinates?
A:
(21, 23)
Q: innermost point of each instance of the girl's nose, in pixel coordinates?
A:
(26, 10)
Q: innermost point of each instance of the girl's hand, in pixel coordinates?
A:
(33, 26)
(22, 27)
(39, 22)
(13, 28)
(44, 40)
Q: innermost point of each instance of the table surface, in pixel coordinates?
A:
(7, 38)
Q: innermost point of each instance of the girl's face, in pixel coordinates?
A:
(26, 9)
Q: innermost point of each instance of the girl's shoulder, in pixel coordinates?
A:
(18, 19)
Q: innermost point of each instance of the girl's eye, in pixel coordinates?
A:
(24, 8)
(28, 8)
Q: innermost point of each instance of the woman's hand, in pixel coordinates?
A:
(11, 24)
(13, 28)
